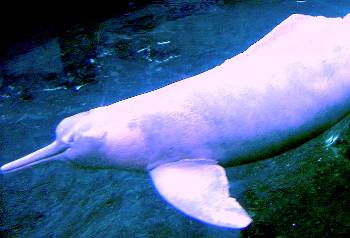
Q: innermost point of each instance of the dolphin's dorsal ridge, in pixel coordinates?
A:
(200, 190)
(347, 19)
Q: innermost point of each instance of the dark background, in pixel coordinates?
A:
(23, 22)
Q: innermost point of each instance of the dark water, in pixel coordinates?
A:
(302, 193)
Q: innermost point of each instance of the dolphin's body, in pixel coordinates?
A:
(289, 86)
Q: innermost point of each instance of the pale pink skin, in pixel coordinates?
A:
(291, 85)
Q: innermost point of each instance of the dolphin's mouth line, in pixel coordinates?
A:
(48, 153)
(46, 158)
(39, 161)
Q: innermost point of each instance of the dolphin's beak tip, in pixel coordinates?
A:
(3, 169)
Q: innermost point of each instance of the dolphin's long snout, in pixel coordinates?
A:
(51, 152)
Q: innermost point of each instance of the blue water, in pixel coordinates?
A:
(133, 54)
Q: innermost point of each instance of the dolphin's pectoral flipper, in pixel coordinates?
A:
(199, 188)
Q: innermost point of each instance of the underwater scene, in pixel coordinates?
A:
(298, 188)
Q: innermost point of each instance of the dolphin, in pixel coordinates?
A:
(286, 88)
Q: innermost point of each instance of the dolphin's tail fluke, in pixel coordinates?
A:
(51, 152)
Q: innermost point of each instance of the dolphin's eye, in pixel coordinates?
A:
(68, 139)
(71, 139)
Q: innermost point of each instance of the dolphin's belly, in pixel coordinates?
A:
(236, 130)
